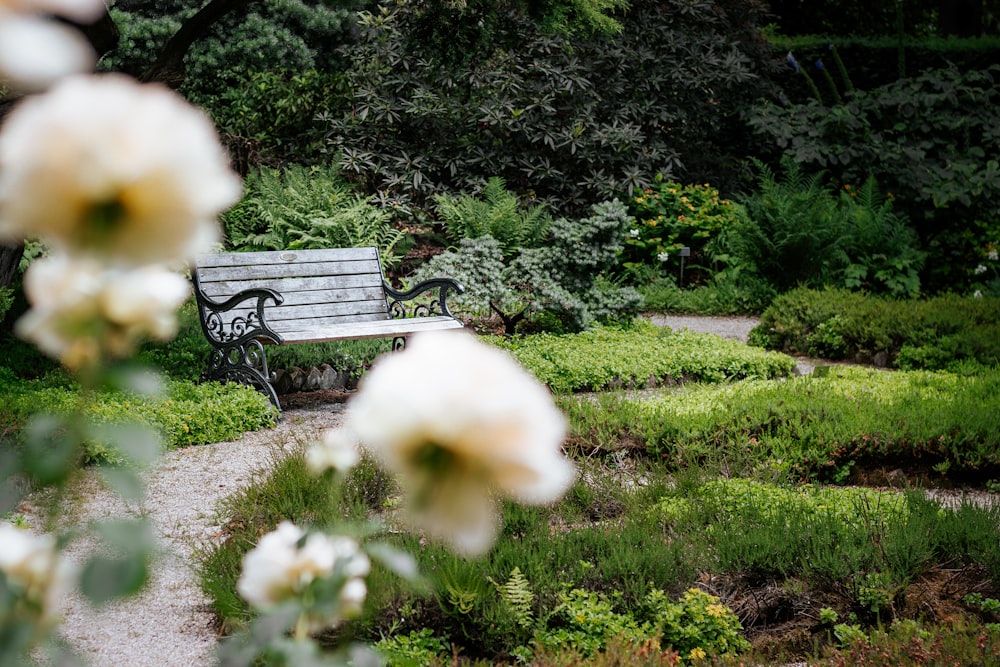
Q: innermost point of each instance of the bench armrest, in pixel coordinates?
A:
(237, 329)
(438, 306)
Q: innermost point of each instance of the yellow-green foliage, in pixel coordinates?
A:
(187, 413)
(606, 356)
(811, 425)
(733, 497)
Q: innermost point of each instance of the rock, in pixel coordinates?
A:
(332, 378)
(313, 379)
(299, 378)
(282, 382)
(881, 359)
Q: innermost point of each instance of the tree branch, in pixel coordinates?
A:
(169, 65)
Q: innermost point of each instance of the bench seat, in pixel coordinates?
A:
(246, 300)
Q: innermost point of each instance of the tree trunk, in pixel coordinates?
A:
(169, 65)
(10, 257)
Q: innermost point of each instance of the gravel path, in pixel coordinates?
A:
(170, 623)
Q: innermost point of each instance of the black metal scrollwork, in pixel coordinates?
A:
(439, 306)
(237, 342)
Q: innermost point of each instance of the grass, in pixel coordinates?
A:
(692, 487)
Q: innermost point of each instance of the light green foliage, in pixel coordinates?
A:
(607, 356)
(585, 621)
(671, 215)
(415, 649)
(811, 426)
(696, 624)
(516, 594)
(308, 207)
(478, 264)
(950, 331)
(187, 414)
(496, 212)
(696, 621)
(564, 280)
(733, 497)
(795, 230)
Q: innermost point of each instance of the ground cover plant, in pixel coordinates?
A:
(653, 568)
(688, 535)
(948, 331)
(638, 356)
(185, 414)
(814, 427)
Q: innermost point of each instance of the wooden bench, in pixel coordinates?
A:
(248, 299)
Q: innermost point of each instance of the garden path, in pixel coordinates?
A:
(171, 624)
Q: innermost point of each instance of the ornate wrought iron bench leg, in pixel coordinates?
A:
(245, 364)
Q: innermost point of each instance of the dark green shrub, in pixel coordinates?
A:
(931, 140)
(308, 207)
(445, 100)
(565, 280)
(942, 332)
(797, 231)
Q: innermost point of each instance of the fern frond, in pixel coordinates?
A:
(516, 594)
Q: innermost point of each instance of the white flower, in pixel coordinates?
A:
(109, 167)
(336, 451)
(663, 256)
(992, 255)
(980, 269)
(287, 560)
(81, 312)
(978, 294)
(36, 50)
(461, 422)
(33, 568)
(634, 233)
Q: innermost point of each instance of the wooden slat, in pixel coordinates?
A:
(208, 260)
(287, 285)
(288, 271)
(313, 296)
(384, 329)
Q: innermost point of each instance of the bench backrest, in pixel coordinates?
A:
(320, 287)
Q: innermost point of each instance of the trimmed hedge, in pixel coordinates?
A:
(946, 332)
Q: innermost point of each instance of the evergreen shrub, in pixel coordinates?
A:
(930, 139)
(943, 332)
(444, 98)
(563, 284)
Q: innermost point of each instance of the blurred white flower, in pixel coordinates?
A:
(978, 294)
(108, 167)
(663, 256)
(82, 312)
(336, 451)
(634, 233)
(35, 49)
(34, 569)
(980, 269)
(992, 255)
(461, 422)
(287, 560)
